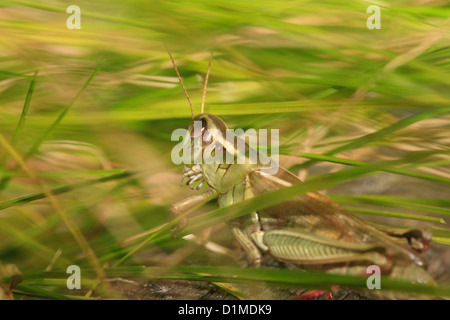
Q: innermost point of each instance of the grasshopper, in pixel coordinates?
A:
(309, 230)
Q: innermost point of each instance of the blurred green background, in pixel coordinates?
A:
(92, 105)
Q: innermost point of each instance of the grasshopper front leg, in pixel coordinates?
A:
(181, 206)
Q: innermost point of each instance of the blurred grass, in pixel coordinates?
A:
(376, 101)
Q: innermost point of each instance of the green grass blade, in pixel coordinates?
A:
(60, 190)
(277, 277)
(20, 124)
(404, 172)
(26, 108)
(390, 202)
(61, 116)
(392, 214)
(34, 291)
(365, 140)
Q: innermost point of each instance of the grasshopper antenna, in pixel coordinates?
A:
(206, 83)
(179, 78)
(206, 79)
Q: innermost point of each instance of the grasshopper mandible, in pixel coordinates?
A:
(310, 230)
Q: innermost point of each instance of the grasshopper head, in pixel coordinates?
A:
(207, 128)
(211, 127)
(219, 149)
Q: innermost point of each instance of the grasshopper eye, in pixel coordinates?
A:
(207, 136)
(195, 132)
